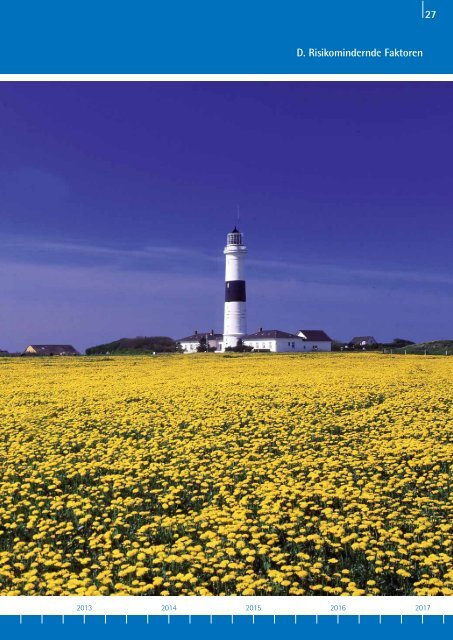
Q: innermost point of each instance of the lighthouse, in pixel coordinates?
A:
(235, 321)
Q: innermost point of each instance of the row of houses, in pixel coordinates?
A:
(273, 340)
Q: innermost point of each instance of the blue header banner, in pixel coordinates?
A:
(234, 37)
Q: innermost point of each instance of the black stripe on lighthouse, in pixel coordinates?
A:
(235, 291)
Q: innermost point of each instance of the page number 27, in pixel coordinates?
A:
(428, 14)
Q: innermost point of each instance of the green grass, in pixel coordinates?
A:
(433, 348)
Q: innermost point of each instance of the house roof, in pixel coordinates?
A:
(197, 336)
(53, 349)
(316, 335)
(359, 339)
(269, 333)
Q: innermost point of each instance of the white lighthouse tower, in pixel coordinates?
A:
(235, 322)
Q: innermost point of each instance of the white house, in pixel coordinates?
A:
(315, 340)
(273, 340)
(211, 340)
(363, 341)
(276, 341)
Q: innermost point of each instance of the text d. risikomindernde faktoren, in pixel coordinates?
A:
(361, 53)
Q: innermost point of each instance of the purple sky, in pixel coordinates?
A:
(115, 201)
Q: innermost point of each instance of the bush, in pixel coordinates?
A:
(156, 344)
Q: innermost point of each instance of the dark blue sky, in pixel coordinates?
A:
(115, 200)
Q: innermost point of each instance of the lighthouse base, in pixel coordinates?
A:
(230, 341)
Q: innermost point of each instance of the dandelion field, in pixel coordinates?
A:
(323, 474)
